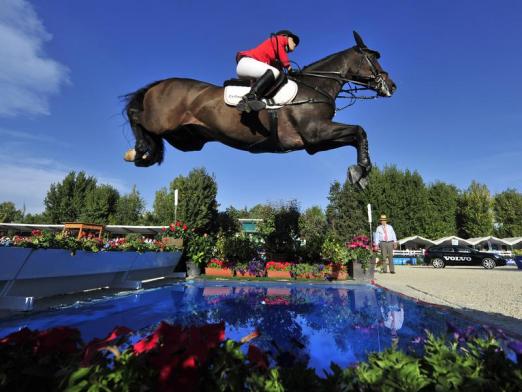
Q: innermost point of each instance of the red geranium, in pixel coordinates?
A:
(278, 266)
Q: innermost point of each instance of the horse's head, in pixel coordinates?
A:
(369, 72)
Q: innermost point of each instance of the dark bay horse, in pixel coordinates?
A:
(188, 113)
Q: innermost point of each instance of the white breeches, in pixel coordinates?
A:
(249, 68)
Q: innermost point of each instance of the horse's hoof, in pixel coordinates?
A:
(130, 155)
(355, 173)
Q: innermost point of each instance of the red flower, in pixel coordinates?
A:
(257, 357)
(178, 223)
(185, 227)
(60, 339)
(163, 229)
(96, 345)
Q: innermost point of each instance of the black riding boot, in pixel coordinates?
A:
(252, 101)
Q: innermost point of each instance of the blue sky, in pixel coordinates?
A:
(456, 116)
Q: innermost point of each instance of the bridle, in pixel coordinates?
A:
(355, 82)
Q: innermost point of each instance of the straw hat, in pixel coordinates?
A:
(383, 218)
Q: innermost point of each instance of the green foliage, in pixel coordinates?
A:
(442, 210)
(198, 358)
(129, 209)
(197, 202)
(228, 222)
(9, 213)
(475, 215)
(346, 211)
(199, 248)
(65, 201)
(508, 213)
(312, 228)
(240, 248)
(100, 205)
(335, 251)
(279, 229)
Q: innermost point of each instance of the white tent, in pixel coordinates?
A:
(452, 240)
(415, 242)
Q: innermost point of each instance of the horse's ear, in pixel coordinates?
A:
(358, 40)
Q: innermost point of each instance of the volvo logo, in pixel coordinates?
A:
(457, 258)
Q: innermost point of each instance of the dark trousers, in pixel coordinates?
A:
(387, 255)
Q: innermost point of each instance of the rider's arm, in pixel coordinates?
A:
(283, 56)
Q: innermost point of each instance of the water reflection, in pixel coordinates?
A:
(315, 323)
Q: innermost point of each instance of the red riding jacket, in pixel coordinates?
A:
(269, 51)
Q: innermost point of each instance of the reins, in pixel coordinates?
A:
(342, 80)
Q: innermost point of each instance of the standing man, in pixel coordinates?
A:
(386, 240)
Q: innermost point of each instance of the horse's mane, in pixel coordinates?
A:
(324, 61)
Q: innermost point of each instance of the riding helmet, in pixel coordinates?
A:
(288, 33)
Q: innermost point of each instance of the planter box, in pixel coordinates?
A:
(175, 242)
(356, 271)
(518, 262)
(310, 275)
(223, 272)
(278, 274)
(47, 272)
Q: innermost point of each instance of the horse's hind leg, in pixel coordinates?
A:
(149, 147)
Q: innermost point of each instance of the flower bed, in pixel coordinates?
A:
(279, 269)
(217, 267)
(192, 358)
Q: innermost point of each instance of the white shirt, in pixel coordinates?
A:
(379, 234)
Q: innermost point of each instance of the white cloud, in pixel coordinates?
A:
(27, 76)
(26, 178)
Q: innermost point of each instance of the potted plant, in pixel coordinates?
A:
(278, 269)
(174, 234)
(337, 255)
(217, 267)
(359, 256)
(198, 250)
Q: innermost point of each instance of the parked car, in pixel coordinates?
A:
(442, 255)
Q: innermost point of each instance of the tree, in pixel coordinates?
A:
(346, 211)
(9, 213)
(475, 214)
(130, 208)
(312, 228)
(100, 205)
(442, 210)
(197, 201)
(65, 201)
(508, 213)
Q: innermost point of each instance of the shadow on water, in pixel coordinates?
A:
(316, 323)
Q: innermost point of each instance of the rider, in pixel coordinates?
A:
(264, 63)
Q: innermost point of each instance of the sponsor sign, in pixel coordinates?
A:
(457, 258)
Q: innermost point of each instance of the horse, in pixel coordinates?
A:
(189, 113)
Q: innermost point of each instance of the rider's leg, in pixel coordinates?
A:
(259, 89)
(249, 68)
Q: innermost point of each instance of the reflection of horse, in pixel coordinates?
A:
(188, 113)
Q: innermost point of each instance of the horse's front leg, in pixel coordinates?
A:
(334, 135)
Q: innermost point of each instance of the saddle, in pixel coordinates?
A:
(282, 93)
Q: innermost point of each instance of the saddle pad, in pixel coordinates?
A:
(286, 94)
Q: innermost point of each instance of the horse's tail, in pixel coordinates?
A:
(134, 101)
(133, 108)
